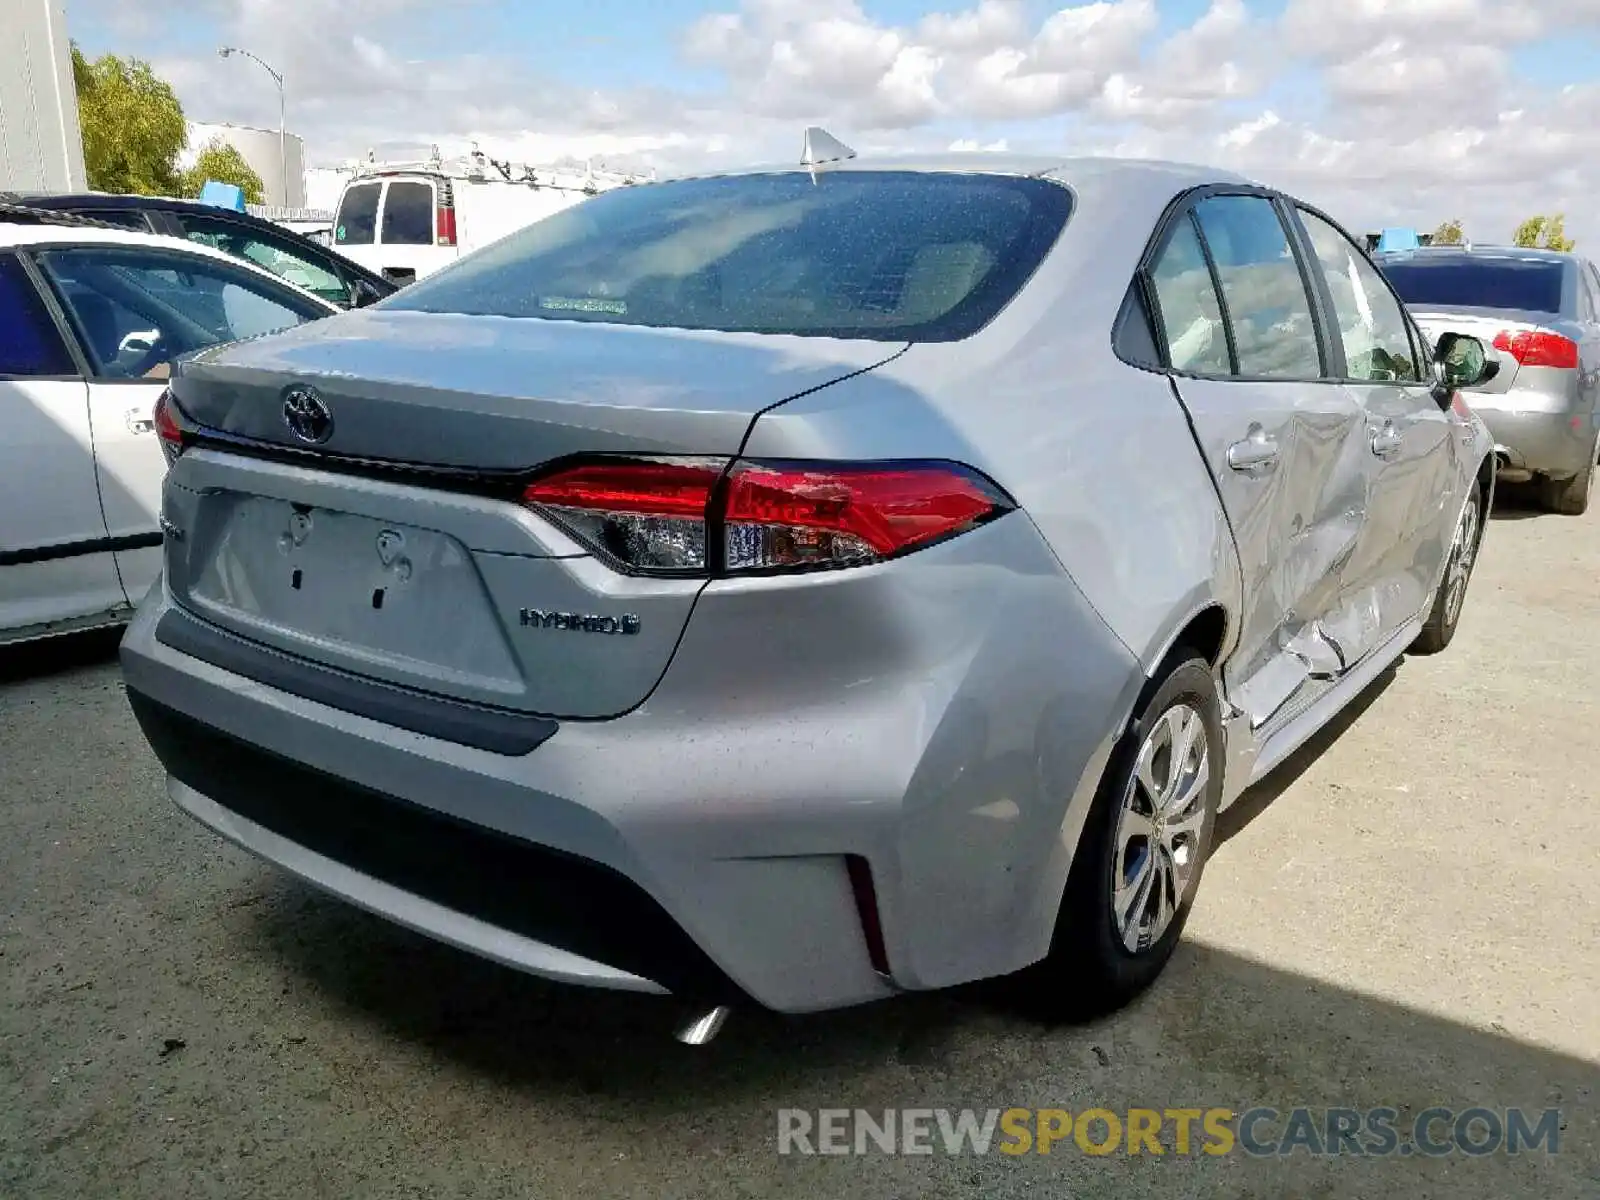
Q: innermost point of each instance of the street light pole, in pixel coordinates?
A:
(283, 155)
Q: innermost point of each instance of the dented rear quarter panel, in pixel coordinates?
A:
(1099, 453)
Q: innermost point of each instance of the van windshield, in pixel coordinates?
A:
(882, 255)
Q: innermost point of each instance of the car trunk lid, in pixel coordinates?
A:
(1485, 324)
(506, 393)
(398, 550)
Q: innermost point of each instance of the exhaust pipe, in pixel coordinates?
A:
(703, 1028)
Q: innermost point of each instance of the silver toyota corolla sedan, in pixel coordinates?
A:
(805, 585)
(1540, 312)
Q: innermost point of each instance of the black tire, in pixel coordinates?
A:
(1569, 497)
(1440, 627)
(1089, 970)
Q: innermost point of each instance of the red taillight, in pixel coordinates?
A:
(167, 428)
(445, 225)
(683, 516)
(1538, 348)
(791, 516)
(649, 516)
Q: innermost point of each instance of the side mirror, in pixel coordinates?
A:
(1460, 361)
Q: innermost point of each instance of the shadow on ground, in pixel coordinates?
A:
(1257, 799)
(1518, 502)
(56, 656)
(1218, 1030)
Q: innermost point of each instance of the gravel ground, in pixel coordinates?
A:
(1405, 916)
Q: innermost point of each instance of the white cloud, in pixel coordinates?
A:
(1222, 56)
(1394, 110)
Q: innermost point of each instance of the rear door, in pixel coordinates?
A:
(389, 226)
(1409, 439)
(1283, 442)
(135, 309)
(406, 229)
(55, 559)
(355, 225)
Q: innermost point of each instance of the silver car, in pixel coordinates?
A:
(1540, 312)
(802, 586)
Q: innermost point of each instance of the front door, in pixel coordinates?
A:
(1284, 443)
(135, 309)
(55, 560)
(1407, 533)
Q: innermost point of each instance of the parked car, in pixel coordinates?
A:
(301, 260)
(91, 320)
(805, 586)
(1540, 311)
(406, 220)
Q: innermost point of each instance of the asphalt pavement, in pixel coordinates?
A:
(1404, 917)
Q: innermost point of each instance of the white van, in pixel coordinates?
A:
(406, 220)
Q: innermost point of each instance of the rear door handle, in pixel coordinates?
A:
(1255, 454)
(140, 420)
(1387, 440)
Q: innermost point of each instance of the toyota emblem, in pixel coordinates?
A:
(307, 416)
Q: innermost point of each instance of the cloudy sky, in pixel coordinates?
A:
(1384, 111)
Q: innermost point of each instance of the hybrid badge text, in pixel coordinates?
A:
(627, 623)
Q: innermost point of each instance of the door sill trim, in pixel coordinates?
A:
(1299, 728)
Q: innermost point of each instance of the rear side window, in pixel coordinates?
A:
(139, 307)
(357, 221)
(126, 218)
(882, 255)
(1477, 281)
(284, 259)
(408, 215)
(1269, 310)
(1191, 318)
(30, 344)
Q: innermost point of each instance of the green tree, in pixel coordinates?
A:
(1544, 233)
(132, 123)
(1449, 233)
(225, 164)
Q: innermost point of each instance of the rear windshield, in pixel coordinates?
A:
(1461, 282)
(408, 215)
(358, 216)
(890, 256)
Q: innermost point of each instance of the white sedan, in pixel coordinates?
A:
(90, 322)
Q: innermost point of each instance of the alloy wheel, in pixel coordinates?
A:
(1462, 552)
(1159, 827)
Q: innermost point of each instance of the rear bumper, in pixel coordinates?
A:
(504, 898)
(700, 844)
(1532, 435)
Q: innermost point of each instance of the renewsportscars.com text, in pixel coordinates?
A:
(1259, 1131)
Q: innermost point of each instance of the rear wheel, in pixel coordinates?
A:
(1142, 852)
(1440, 627)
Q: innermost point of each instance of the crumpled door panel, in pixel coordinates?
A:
(1295, 524)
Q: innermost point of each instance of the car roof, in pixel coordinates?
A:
(1071, 169)
(1527, 253)
(116, 200)
(15, 236)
